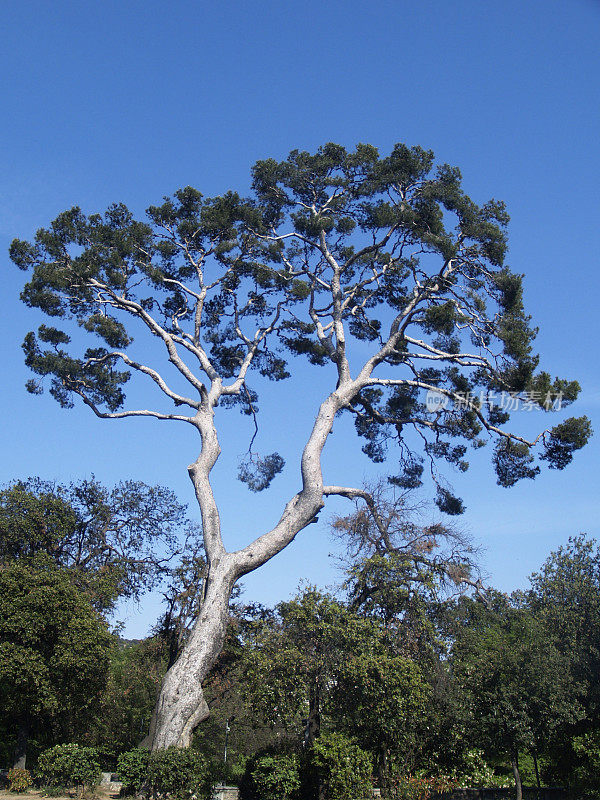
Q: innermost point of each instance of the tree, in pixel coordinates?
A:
(183, 596)
(113, 543)
(54, 652)
(317, 664)
(123, 711)
(382, 269)
(293, 654)
(566, 592)
(516, 686)
(403, 569)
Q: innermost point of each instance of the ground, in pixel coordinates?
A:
(36, 794)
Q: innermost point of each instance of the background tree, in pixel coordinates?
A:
(54, 653)
(401, 568)
(183, 596)
(316, 664)
(121, 714)
(566, 594)
(516, 686)
(380, 268)
(113, 543)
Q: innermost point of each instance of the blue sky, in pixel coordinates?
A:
(128, 101)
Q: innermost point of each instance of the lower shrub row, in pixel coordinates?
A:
(174, 772)
(334, 768)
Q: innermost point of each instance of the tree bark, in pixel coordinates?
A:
(181, 705)
(20, 755)
(314, 712)
(537, 771)
(517, 775)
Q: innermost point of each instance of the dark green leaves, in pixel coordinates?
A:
(564, 439)
(257, 472)
(513, 462)
(344, 258)
(93, 376)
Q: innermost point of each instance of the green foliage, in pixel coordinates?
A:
(19, 780)
(389, 248)
(516, 684)
(380, 699)
(132, 768)
(123, 712)
(179, 773)
(70, 765)
(565, 592)
(276, 777)
(107, 540)
(475, 771)
(54, 648)
(258, 472)
(587, 770)
(318, 660)
(342, 769)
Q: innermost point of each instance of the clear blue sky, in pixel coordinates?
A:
(127, 101)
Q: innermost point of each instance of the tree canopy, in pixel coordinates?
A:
(54, 652)
(380, 269)
(112, 542)
(334, 249)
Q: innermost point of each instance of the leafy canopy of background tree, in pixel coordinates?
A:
(516, 685)
(54, 650)
(119, 718)
(112, 542)
(335, 249)
(402, 568)
(566, 592)
(317, 663)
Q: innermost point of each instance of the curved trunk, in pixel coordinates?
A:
(181, 705)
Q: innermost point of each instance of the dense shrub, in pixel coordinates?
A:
(70, 765)
(341, 768)
(19, 780)
(132, 768)
(178, 772)
(587, 770)
(276, 777)
(418, 787)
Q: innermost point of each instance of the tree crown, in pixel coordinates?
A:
(381, 267)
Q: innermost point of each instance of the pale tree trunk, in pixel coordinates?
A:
(517, 775)
(181, 705)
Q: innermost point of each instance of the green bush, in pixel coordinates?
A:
(341, 768)
(132, 768)
(419, 787)
(178, 772)
(19, 780)
(70, 765)
(587, 770)
(56, 791)
(276, 777)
